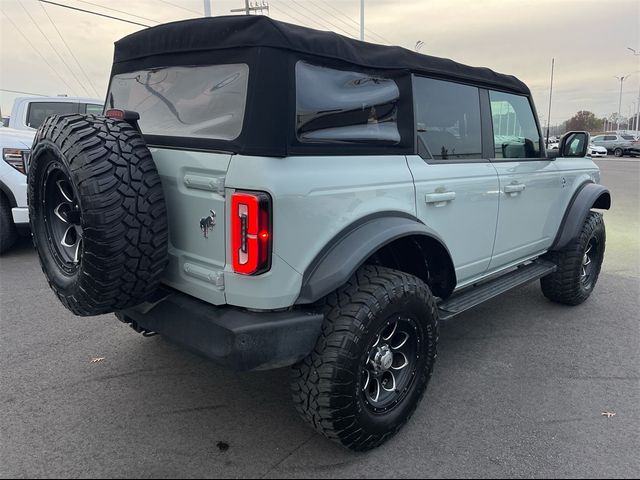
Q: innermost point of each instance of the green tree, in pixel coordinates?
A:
(584, 120)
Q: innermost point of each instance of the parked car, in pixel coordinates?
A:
(329, 225)
(27, 114)
(618, 144)
(596, 151)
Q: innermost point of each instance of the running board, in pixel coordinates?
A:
(473, 296)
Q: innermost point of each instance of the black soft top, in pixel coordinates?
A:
(189, 37)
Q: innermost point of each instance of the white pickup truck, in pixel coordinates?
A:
(27, 115)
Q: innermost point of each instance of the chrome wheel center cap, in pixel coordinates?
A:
(383, 359)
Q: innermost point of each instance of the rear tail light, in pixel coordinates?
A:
(251, 232)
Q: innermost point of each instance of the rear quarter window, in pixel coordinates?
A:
(336, 106)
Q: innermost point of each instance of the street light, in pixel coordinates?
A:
(636, 54)
(622, 79)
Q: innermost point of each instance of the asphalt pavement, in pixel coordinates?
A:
(519, 389)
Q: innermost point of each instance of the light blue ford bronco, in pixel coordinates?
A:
(270, 195)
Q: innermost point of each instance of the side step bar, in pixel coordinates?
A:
(473, 296)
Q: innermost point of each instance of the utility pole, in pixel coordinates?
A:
(250, 7)
(207, 8)
(362, 20)
(553, 61)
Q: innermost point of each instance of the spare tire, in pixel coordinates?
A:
(97, 213)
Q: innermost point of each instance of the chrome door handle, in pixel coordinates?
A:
(439, 199)
(514, 188)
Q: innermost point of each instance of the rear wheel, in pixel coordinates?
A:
(578, 264)
(372, 363)
(8, 233)
(618, 152)
(97, 213)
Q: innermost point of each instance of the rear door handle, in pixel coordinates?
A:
(439, 199)
(514, 188)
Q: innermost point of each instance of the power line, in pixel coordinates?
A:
(38, 51)
(332, 15)
(181, 7)
(292, 17)
(23, 93)
(54, 48)
(93, 13)
(355, 23)
(118, 11)
(69, 49)
(326, 21)
(315, 20)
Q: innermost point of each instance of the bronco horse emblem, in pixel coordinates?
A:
(207, 223)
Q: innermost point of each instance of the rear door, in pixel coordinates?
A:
(530, 184)
(193, 184)
(456, 188)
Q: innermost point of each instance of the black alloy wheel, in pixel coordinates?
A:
(391, 363)
(62, 217)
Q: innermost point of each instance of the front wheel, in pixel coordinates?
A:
(8, 233)
(618, 152)
(578, 264)
(373, 360)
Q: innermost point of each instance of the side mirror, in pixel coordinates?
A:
(574, 144)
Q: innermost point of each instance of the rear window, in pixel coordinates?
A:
(198, 102)
(628, 137)
(337, 106)
(38, 111)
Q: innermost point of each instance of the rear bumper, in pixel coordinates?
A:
(230, 336)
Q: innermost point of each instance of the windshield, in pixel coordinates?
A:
(203, 101)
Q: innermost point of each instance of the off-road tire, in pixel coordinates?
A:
(326, 385)
(618, 152)
(122, 213)
(8, 232)
(566, 284)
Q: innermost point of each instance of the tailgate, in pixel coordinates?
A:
(193, 184)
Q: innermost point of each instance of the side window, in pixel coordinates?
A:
(447, 119)
(610, 137)
(94, 109)
(598, 138)
(38, 111)
(515, 133)
(336, 106)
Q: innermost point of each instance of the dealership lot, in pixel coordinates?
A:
(519, 389)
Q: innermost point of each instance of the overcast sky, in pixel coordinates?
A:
(588, 38)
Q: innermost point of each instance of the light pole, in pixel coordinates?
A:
(362, 20)
(622, 79)
(636, 54)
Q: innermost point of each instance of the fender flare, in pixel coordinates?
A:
(350, 248)
(588, 196)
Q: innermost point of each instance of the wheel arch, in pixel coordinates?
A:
(9, 194)
(390, 239)
(588, 196)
